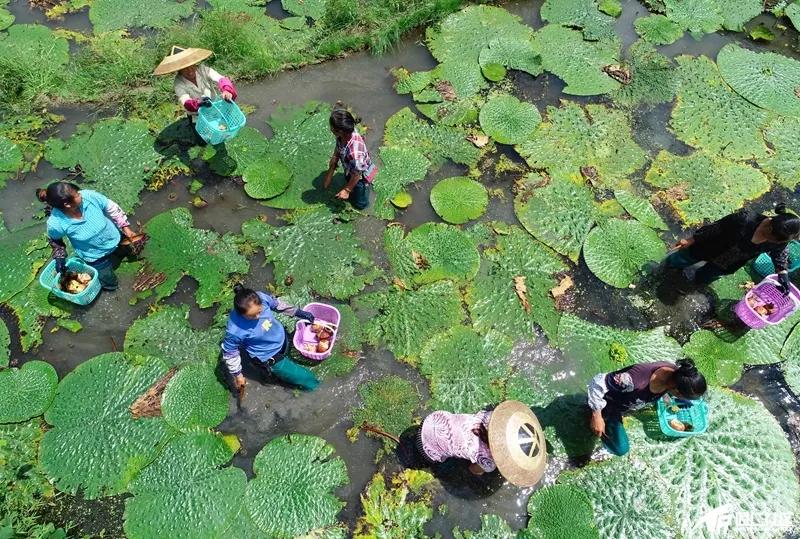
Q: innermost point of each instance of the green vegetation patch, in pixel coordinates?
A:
(247, 148)
(109, 15)
(389, 404)
(573, 138)
(404, 319)
(767, 79)
(783, 163)
(459, 199)
(292, 493)
(95, 445)
(508, 120)
(511, 294)
(506, 52)
(314, 9)
(702, 187)
(266, 179)
(11, 160)
(617, 251)
(561, 511)
(492, 527)
(26, 392)
(431, 252)
(467, 371)
(194, 397)
(583, 14)
(653, 79)
(577, 62)
(33, 306)
(186, 491)
(658, 29)
(5, 344)
(707, 16)
(176, 249)
(401, 167)
(640, 209)
(399, 510)
(720, 361)
(115, 156)
(20, 260)
(316, 250)
(709, 115)
(559, 213)
(743, 462)
(166, 333)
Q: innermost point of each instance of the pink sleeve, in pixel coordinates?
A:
(115, 213)
(225, 85)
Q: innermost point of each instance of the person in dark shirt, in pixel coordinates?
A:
(730, 243)
(616, 393)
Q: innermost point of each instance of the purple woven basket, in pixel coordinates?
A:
(767, 292)
(304, 335)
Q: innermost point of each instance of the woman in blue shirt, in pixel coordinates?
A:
(252, 327)
(92, 223)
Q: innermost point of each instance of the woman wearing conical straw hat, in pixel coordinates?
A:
(194, 81)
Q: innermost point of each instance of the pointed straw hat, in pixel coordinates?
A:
(178, 58)
(517, 443)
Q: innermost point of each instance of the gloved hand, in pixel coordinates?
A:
(783, 286)
(191, 105)
(205, 102)
(305, 315)
(61, 265)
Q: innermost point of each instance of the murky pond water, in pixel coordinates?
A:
(364, 82)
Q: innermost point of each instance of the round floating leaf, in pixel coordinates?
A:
(742, 465)
(711, 116)
(577, 62)
(492, 527)
(783, 163)
(11, 159)
(6, 18)
(653, 78)
(583, 14)
(512, 53)
(617, 251)
(186, 492)
(26, 392)
(658, 29)
(388, 404)
(720, 361)
(248, 147)
(194, 397)
(460, 199)
(466, 371)
(559, 213)
(493, 72)
(401, 167)
(702, 187)
(509, 120)
(402, 200)
(22, 43)
(305, 8)
(109, 15)
(767, 79)
(292, 493)
(294, 23)
(95, 445)
(266, 179)
(610, 7)
(696, 16)
(640, 208)
(561, 511)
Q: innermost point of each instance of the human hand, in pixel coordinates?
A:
(227, 96)
(240, 382)
(305, 315)
(61, 265)
(344, 194)
(597, 424)
(205, 102)
(682, 244)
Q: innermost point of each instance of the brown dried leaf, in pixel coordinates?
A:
(149, 403)
(565, 284)
(420, 261)
(522, 292)
(618, 73)
(478, 140)
(147, 280)
(446, 90)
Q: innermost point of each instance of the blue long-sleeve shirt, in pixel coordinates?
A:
(262, 338)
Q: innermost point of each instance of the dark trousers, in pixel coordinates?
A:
(105, 272)
(359, 197)
(615, 438)
(706, 274)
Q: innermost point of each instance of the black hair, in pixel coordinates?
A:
(785, 225)
(688, 380)
(59, 194)
(342, 120)
(41, 195)
(243, 297)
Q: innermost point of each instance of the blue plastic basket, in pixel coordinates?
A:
(693, 412)
(219, 122)
(49, 279)
(763, 264)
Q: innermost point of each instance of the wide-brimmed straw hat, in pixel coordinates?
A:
(179, 57)
(517, 443)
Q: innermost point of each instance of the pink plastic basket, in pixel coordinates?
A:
(304, 335)
(767, 291)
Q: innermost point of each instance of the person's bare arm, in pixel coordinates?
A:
(344, 194)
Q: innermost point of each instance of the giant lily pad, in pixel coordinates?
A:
(266, 179)
(653, 79)
(186, 492)
(783, 163)
(305, 8)
(506, 52)
(10, 160)
(561, 511)
(22, 43)
(176, 249)
(719, 360)
(509, 120)
(435, 141)
(658, 29)
(431, 252)
(247, 148)
(708, 16)
(95, 445)
(492, 527)
(703, 187)
(316, 251)
(640, 208)
(460, 199)
(33, 306)
(26, 392)
(467, 371)
(292, 493)
(388, 404)
(573, 138)
(401, 166)
(742, 465)
(194, 397)
(559, 214)
(405, 319)
(494, 300)
(399, 510)
(617, 251)
(711, 116)
(21, 256)
(577, 62)
(109, 15)
(115, 156)
(582, 14)
(166, 333)
(767, 79)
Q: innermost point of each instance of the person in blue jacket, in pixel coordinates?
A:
(253, 328)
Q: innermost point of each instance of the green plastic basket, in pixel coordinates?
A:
(693, 412)
(763, 264)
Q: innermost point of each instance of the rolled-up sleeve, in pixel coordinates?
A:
(231, 353)
(597, 391)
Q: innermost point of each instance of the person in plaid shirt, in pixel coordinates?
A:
(351, 151)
